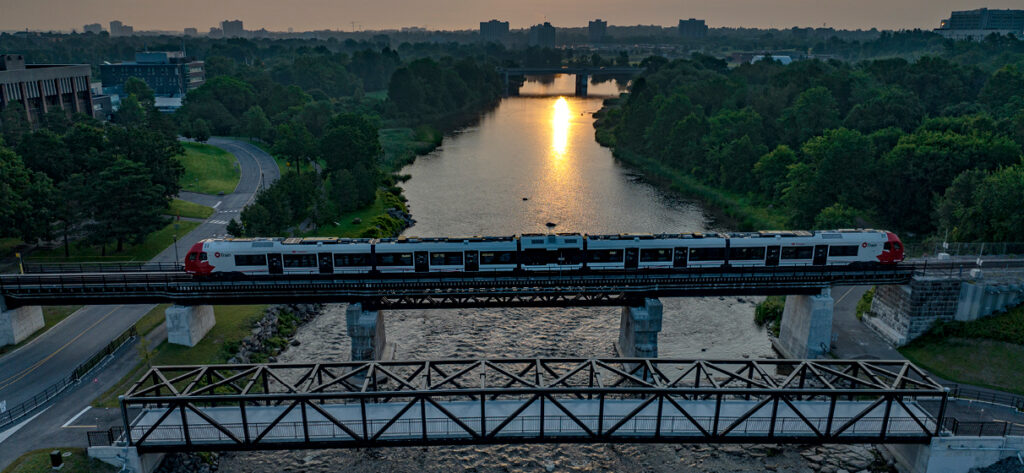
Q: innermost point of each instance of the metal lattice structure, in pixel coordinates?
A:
(431, 290)
(396, 403)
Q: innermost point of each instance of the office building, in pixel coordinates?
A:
(94, 28)
(41, 88)
(168, 73)
(232, 29)
(693, 29)
(597, 31)
(120, 29)
(493, 31)
(542, 35)
(977, 24)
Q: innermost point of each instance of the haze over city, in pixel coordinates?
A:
(461, 14)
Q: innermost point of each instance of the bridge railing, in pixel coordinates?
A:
(30, 267)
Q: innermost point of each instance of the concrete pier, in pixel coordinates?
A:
(806, 329)
(127, 458)
(18, 324)
(187, 325)
(955, 454)
(582, 82)
(638, 330)
(366, 328)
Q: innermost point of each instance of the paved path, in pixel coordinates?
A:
(54, 354)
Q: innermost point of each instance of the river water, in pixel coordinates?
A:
(539, 146)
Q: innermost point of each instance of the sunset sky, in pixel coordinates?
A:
(279, 15)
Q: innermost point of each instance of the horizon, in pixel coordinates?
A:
(345, 16)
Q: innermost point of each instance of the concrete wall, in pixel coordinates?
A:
(187, 325)
(18, 324)
(955, 454)
(979, 299)
(638, 330)
(128, 457)
(806, 328)
(366, 328)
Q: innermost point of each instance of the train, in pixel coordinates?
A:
(542, 252)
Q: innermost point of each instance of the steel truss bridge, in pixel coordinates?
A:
(431, 290)
(508, 401)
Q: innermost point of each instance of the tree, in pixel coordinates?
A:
(771, 170)
(1002, 87)
(141, 91)
(235, 228)
(200, 130)
(837, 216)
(255, 123)
(130, 113)
(26, 198)
(126, 204)
(891, 107)
(293, 143)
(14, 122)
(813, 111)
(983, 206)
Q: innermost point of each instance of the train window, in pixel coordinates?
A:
(202, 256)
(394, 259)
(343, 259)
(651, 255)
(569, 256)
(446, 259)
(300, 261)
(707, 254)
(680, 254)
(604, 256)
(843, 250)
(250, 260)
(897, 246)
(497, 257)
(192, 256)
(797, 252)
(750, 254)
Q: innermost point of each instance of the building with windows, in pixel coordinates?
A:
(597, 31)
(977, 24)
(94, 28)
(693, 29)
(232, 29)
(41, 88)
(493, 31)
(120, 29)
(542, 35)
(168, 73)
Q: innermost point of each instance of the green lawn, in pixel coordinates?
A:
(402, 145)
(345, 227)
(184, 208)
(152, 319)
(52, 315)
(153, 244)
(7, 246)
(38, 461)
(208, 169)
(980, 362)
(233, 324)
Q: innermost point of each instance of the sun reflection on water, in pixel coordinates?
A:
(560, 128)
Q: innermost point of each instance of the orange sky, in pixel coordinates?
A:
(279, 15)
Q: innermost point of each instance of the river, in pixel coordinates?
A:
(531, 160)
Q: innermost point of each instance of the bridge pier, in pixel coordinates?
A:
(366, 329)
(187, 325)
(806, 328)
(582, 82)
(18, 324)
(127, 458)
(638, 330)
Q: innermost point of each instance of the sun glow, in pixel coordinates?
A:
(560, 127)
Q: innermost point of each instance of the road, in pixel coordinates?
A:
(54, 354)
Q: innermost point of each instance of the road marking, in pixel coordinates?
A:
(71, 420)
(17, 377)
(80, 427)
(218, 203)
(844, 295)
(11, 431)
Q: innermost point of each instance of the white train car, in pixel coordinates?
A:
(257, 256)
(413, 254)
(551, 252)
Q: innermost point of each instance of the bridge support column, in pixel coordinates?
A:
(366, 329)
(806, 328)
(127, 458)
(582, 82)
(187, 325)
(18, 324)
(638, 330)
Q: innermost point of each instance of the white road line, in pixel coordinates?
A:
(218, 203)
(73, 419)
(11, 431)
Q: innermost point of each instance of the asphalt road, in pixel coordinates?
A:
(53, 355)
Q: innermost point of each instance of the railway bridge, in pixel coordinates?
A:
(582, 73)
(806, 331)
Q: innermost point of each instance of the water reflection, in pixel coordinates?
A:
(560, 127)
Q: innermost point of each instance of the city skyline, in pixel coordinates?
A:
(306, 15)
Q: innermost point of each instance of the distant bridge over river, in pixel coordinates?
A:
(582, 73)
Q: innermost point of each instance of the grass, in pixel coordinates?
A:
(7, 246)
(234, 323)
(402, 145)
(153, 244)
(980, 362)
(52, 315)
(184, 208)
(38, 461)
(208, 169)
(152, 319)
(370, 217)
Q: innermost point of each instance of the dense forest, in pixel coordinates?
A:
(925, 146)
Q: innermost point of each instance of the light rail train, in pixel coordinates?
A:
(542, 252)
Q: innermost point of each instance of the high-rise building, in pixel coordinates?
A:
(693, 29)
(542, 35)
(232, 28)
(120, 29)
(977, 24)
(493, 31)
(597, 30)
(215, 32)
(94, 28)
(191, 32)
(41, 88)
(168, 73)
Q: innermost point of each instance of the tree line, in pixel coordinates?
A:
(924, 146)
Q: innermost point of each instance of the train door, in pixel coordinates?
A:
(421, 260)
(472, 261)
(274, 264)
(820, 255)
(772, 256)
(326, 263)
(632, 258)
(679, 259)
